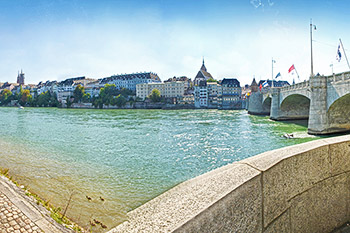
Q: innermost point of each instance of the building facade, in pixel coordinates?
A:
(231, 94)
(214, 94)
(168, 89)
(129, 81)
(201, 95)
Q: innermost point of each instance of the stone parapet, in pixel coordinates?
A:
(302, 188)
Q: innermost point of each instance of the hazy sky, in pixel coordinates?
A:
(58, 39)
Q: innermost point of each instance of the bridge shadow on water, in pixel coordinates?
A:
(303, 122)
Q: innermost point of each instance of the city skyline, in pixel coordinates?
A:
(55, 40)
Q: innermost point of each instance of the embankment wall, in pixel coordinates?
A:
(302, 188)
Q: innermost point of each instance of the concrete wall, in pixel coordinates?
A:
(302, 188)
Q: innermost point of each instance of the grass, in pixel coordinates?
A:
(55, 213)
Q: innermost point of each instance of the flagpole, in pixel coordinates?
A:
(344, 52)
(312, 62)
(272, 71)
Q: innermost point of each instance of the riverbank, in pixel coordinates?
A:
(24, 211)
(138, 105)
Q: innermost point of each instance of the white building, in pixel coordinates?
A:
(201, 95)
(129, 81)
(93, 88)
(66, 88)
(168, 89)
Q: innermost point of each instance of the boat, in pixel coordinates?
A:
(21, 107)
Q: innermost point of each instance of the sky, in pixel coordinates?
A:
(59, 39)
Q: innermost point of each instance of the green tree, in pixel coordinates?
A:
(68, 102)
(24, 97)
(120, 100)
(107, 93)
(211, 80)
(86, 98)
(155, 96)
(126, 92)
(5, 97)
(78, 93)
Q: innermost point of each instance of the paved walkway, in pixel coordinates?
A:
(19, 213)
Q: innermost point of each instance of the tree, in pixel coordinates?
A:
(211, 80)
(5, 97)
(155, 96)
(78, 93)
(107, 93)
(68, 102)
(120, 101)
(25, 97)
(86, 98)
(125, 92)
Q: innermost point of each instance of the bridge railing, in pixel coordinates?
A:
(301, 85)
(339, 77)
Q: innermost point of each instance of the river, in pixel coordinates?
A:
(127, 157)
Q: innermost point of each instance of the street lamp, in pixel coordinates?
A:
(312, 63)
(273, 61)
(331, 65)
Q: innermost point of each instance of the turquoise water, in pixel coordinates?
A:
(127, 156)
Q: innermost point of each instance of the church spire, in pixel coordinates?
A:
(203, 66)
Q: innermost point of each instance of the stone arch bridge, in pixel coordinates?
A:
(323, 100)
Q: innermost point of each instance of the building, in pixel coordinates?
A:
(214, 94)
(93, 88)
(201, 95)
(202, 75)
(129, 81)
(20, 78)
(50, 86)
(66, 88)
(231, 94)
(187, 81)
(167, 89)
(8, 86)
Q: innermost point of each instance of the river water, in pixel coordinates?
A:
(127, 156)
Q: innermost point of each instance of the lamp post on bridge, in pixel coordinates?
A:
(312, 62)
(273, 61)
(331, 65)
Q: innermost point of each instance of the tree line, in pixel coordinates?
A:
(24, 98)
(108, 95)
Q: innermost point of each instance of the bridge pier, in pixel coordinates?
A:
(275, 104)
(255, 106)
(318, 118)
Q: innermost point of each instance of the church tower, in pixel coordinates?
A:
(203, 66)
(20, 78)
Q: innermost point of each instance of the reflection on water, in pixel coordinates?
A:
(127, 156)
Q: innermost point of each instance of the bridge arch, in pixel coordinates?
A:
(267, 104)
(338, 114)
(332, 98)
(295, 106)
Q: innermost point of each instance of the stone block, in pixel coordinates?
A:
(321, 208)
(339, 150)
(288, 172)
(217, 199)
(340, 157)
(239, 211)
